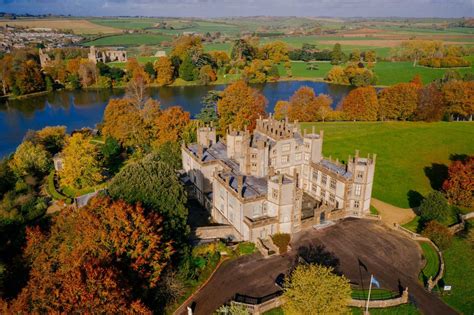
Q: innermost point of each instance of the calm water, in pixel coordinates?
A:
(77, 109)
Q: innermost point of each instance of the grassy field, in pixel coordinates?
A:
(404, 150)
(78, 26)
(129, 40)
(406, 309)
(459, 260)
(388, 73)
(432, 262)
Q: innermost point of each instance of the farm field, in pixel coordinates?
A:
(129, 40)
(78, 26)
(404, 150)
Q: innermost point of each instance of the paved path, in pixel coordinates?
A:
(394, 260)
(392, 214)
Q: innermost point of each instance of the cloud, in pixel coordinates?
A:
(215, 8)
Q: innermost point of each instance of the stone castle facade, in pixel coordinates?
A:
(275, 179)
(96, 55)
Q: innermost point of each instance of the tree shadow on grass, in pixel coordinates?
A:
(458, 157)
(414, 199)
(437, 174)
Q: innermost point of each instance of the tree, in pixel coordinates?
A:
(29, 77)
(439, 234)
(434, 207)
(240, 105)
(156, 186)
(208, 111)
(87, 72)
(431, 105)
(6, 73)
(361, 104)
(186, 70)
(131, 125)
(337, 75)
(7, 177)
(370, 56)
(221, 58)
(30, 159)
(207, 75)
(458, 96)
(275, 51)
(304, 105)
(81, 167)
(355, 55)
(150, 70)
(315, 289)
(164, 71)
(243, 49)
(90, 259)
(281, 110)
(52, 138)
(398, 101)
(337, 56)
(186, 46)
(459, 186)
(170, 125)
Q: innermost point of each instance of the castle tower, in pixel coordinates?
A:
(363, 170)
(206, 136)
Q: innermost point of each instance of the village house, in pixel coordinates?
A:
(275, 179)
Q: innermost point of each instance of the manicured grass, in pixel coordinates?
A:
(129, 40)
(373, 210)
(413, 224)
(459, 262)
(389, 73)
(299, 69)
(432, 262)
(275, 311)
(404, 150)
(375, 294)
(245, 248)
(405, 309)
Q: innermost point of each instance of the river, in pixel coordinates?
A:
(77, 109)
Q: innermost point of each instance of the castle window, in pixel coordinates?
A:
(298, 156)
(253, 156)
(360, 175)
(285, 158)
(358, 189)
(254, 164)
(332, 198)
(273, 161)
(315, 176)
(314, 188)
(356, 204)
(231, 217)
(286, 147)
(306, 145)
(324, 180)
(306, 157)
(275, 193)
(333, 183)
(323, 194)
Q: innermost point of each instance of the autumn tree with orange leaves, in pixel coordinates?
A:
(398, 102)
(281, 110)
(164, 71)
(240, 106)
(459, 186)
(305, 105)
(170, 125)
(459, 98)
(90, 259)
(361, 104)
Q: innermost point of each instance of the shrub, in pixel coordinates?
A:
(245, 248)
(434, 207)
(51, 188)
(439, 234)
(281, 240)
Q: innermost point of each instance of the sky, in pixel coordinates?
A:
(220, 8)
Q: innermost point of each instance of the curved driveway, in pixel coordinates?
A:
(356, 247)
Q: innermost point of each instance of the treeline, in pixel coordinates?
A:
(310, 52)
(441, 100)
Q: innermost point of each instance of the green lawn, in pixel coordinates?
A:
(375, 294)
(389, 73)
(405, 309)
(432, 262)
(459, 262)
(129, 40)
(404, 150)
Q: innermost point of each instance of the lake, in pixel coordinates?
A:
(77, 109)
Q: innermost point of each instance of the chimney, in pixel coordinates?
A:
(200, 151)
(240, 184)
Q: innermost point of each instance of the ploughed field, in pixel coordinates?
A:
(405, 151)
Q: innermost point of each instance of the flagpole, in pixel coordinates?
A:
(368, 296)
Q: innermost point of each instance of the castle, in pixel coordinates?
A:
(275, 179)
(95, 55)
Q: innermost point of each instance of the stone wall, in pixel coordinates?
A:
(258, 309)
(403, 299)
(217, 232)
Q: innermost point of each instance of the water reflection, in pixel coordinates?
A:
(77, 109)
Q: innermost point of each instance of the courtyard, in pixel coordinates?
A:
(356, 248)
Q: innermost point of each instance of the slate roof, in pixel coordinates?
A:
(336, 168)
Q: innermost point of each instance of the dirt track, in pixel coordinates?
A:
(393, 259)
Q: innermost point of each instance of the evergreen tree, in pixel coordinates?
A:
(186, 70)
(434, 207)
(337, 56)
(208, 111)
